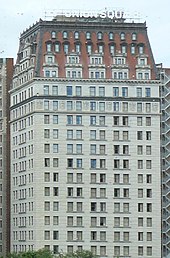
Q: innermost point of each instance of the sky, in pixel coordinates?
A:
(17, 15)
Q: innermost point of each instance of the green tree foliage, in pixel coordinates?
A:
(43, 253)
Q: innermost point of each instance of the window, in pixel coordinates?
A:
(148, 179)
(78, 120)
(140, 222)
(46, 119)
(149, 207)
(139, 107)
(139, 135)
(139, 121)
(140, 164)
(70, 163)
(126, 222)
(115, 92)
(148, 164)
(92, 105)
(140, 178)
(47, 220)
(140, 236)
(46, 235)
(133, 49)
(122, 36)
(69, 134)
(149, 222)
(102, 135)
(140, 207)
(65, 34)
(69, 91)
(115, 106)
(55, 119)
(55, 177)
(92, 91)
(139, 92)
(76, 35)
(116, 250)
(55, 191)
(69, 105)
(47, 162)
(99, 35)
(115, 135)
(134, 36)
(125, 135)
(57, 47)
(78, 91)
(93, 206)
(79, 163)
(124, 91)
(112, 49)
(116, 192)
(55, 162)
(101, 91)
(125, 120)
(46, 148)
(116, 164)
(125, 178)
(125, 207)
(148, 107)
(148, 135)
(140, 250)
(116, 120)
(47, 191)
(88, 35)
(46, 90)
(92, 120)
(140, 193)
(111, 36)
(55, 133)
(116, 221)
(93, 149)
(149, 250)
(47, 206)
(116, 207)
(89, 48)
(101, 106)
(147, 92)
(102, 120)
(102, 221)
(93, 163)
(139, 149)
(69, 119)
(148, 121)
(92, 134)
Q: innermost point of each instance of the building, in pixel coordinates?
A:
(165, 147)
(6, 74)
(85, 138)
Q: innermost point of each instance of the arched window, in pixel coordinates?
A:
(65, 34)
(134, 36)
(88, 35)
(76, 35)
(111, 36)
(99, 35)
(53, 34)
(122, 36)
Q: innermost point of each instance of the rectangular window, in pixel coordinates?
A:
(69, 119)
(78, 91)
(69, 134)
(55, 133)
(124, 92)
(147, 92)
(116, 120)
(115, 135)
(115, 106)
(46, 119)
(92, 120)
(139, 121)
(115, 92)
(139, 135)
(55, 90)
(46, 90)
(69, 91)
(101, 91)
(78, 120)
(92, 91)
(92, 134)
(55, 119)
(138, 92)
(148, 121)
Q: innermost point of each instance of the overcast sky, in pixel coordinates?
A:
(17, 15)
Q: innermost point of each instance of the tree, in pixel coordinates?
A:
(78, 254)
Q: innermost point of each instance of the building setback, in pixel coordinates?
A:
(85, 139)
(6, 74)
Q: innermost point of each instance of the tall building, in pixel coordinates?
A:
(6, 74)
(165, 148)
(85, 138)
